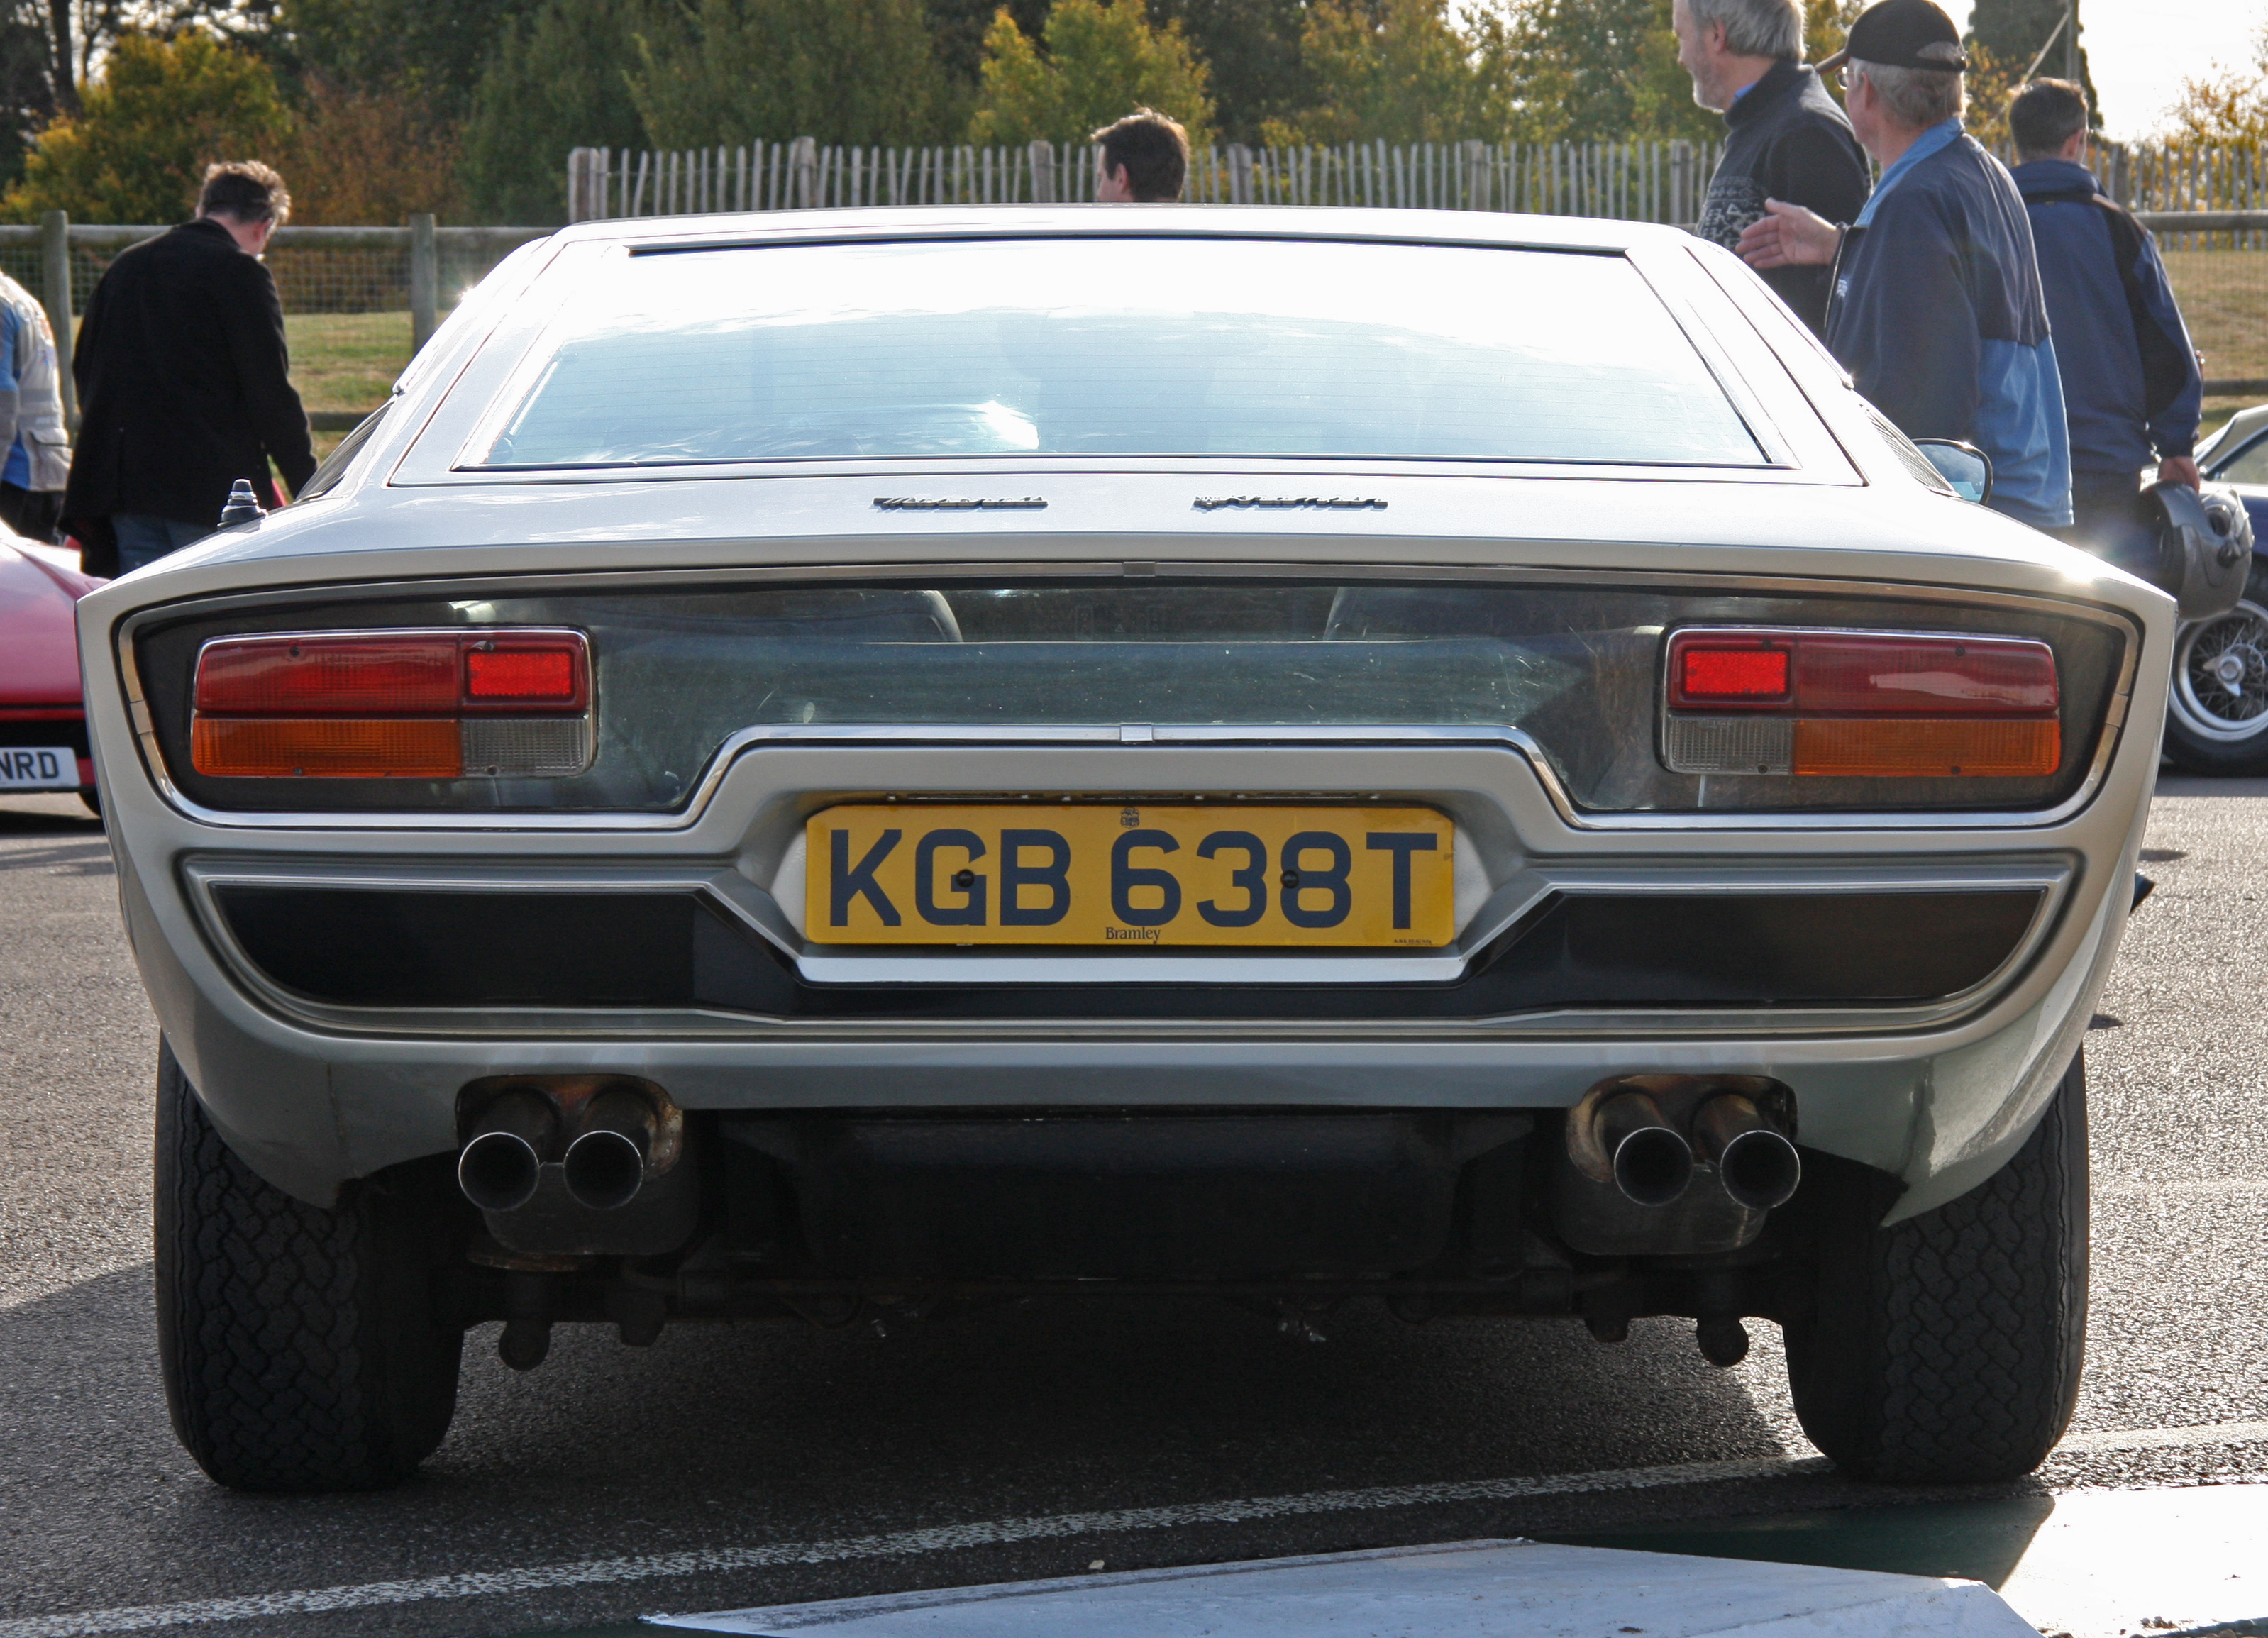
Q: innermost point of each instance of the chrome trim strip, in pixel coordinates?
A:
(1511, 738)
(726, 891)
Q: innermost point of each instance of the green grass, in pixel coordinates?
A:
(346, 361)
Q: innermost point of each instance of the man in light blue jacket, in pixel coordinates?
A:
(1936, 308)
(31, 416)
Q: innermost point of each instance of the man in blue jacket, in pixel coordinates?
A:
(1937, 310)
(2131, 388)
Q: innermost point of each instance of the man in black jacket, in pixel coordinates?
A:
(184, 383)
(1785, 137)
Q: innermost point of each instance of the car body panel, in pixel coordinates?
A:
(2240, 434)
(1937, 1096)
(38, 639)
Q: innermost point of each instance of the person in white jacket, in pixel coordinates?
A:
(31, 416)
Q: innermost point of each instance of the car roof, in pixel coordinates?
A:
(2236, 432)
(1491, 227)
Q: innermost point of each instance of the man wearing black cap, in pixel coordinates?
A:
(1785, 137)
(1936, 309)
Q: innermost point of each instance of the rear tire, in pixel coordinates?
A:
(299, 1347)
(1947, 1349)
(2217, 714)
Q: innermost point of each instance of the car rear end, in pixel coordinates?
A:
(891, 845)
(43, 743)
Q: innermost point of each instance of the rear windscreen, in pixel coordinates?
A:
(1101, 346)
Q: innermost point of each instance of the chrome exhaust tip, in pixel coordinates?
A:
(498, 1168)
(1651, 1163)
(1757, 1164)
(604, 1166)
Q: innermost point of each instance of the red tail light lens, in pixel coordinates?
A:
(1747, 676)
(1964, 676)
(328, 676)
(392, 704)
(523, 676)
(1874, 705)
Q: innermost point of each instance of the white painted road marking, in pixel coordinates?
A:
(1457, 1589)
(998, 1533)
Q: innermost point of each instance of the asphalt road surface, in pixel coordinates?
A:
(764, 1464)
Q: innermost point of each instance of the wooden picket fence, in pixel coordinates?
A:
(1653, 182)
(1646, 181)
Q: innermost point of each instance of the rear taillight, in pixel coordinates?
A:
(393, 705)
(1864, 704)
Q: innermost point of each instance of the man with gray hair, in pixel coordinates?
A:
(1937, 310)
(1785, 137)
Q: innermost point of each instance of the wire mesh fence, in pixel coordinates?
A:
(340, 285)
(317, 270)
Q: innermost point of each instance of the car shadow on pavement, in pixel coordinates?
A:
(719, 1434)
(46, 815)
(2205, 784)
(90, 858)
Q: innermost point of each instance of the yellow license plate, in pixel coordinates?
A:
(1128, 877)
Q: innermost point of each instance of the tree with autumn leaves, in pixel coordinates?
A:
(374, 108)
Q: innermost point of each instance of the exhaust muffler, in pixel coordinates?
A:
(1756, 1163)
(605, 1164)
(578, 1165)
(1674, 1165)
(1649, 1161)
(499, 1168)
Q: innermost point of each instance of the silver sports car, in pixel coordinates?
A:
(826, 766)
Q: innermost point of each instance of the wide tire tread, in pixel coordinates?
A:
(286, 1366)
(1961, 1345)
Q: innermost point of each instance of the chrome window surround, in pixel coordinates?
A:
(1511, 738)
(752, 909)
(447, 447)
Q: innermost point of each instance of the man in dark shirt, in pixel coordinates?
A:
(184, 381)
(1785, 137)
(2131, 388)
(1145, 160)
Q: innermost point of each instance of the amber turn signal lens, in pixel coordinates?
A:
(1895, 748)
(326, 748)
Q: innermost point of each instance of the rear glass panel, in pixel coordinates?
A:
(677, 673)
(1093, 346)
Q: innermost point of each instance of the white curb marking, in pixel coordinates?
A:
(998, 1532)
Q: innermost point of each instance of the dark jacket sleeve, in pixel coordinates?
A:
(263, 368)
(1819, 169)
(2173, 383)
(1912, 337)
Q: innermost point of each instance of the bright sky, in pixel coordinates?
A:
(2139, 51)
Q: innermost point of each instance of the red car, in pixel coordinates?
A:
(42, 724)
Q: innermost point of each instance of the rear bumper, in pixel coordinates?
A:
(1934, 1075)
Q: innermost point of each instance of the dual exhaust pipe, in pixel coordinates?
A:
(603, 1167)
(1651, 1162)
